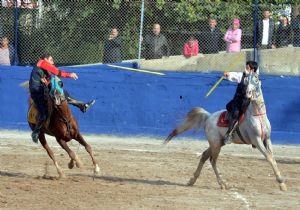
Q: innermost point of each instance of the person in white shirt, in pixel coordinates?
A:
(238, 105)
(4, 52)
(266, 29)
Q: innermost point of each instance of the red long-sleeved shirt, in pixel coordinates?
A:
(52, 69)
(189, 50)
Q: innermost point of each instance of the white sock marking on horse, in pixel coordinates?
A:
(239, 196)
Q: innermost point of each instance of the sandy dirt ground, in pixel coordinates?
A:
(141, 173)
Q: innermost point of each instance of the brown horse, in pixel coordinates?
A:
(64, 127)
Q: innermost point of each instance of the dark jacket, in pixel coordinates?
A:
(283, 36)
(211, 40)
(271, 39)
(239, 101)
(155, 46)
(296, 30)
(112, 50)
(36, 87)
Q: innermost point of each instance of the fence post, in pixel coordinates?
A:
(141, 32)
(16, 33)
(255, 13)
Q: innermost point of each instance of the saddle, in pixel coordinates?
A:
(223, 120)
(33, 114)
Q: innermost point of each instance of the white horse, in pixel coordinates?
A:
(254, 130)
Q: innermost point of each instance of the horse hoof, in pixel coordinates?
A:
(224, 187)
(71, 164)
(283, 187)
(61, 175)
(79, 164)
(96, 169)
(191, 182)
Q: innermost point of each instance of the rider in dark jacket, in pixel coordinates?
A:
(238, 105)
(39, 86)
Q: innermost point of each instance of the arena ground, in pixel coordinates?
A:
(141, 173)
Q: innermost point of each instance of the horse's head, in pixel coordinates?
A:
(253, 86)
(56, 92)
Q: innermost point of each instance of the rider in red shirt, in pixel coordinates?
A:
(39, 84)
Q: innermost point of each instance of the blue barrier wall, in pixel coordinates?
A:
(133, 103)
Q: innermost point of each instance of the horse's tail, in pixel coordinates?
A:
(195, 119)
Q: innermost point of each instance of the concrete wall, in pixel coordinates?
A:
(134, 103)
(281, 61)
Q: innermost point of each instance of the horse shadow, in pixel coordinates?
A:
(13, 174)
(288, 161)
(157, 182)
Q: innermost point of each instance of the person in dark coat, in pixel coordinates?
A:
(155, 44)
(266, 38)
(113, 47)
(212, 38)
(283, 33)
(296, 30)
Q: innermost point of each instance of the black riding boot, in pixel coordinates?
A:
(81, 105)
(230, 132)
(36, 131)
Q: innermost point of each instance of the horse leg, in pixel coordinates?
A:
(269, 156)
(215, 151)
(205, 155)
(269, 146)
(51, 155)
(70, 152)
(88, 148)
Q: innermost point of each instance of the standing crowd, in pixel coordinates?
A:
(211, 40)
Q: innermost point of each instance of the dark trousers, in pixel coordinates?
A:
(41, 105)
(236, 108)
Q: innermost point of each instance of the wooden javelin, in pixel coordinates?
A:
(132, 69)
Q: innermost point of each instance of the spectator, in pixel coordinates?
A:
(27, 4)
(112, 47)
(212, 38)
(296, 30)
(156, 45)
(7, 3)
(4, 52)
(233, 37)
(265, 31)
(283, 33)
(191, 47)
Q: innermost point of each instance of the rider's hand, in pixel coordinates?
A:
(44, 80)
(74, 76)
(226, 74)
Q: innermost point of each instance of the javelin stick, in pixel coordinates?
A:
(132, 69)
(220, 80)
(212, 89)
